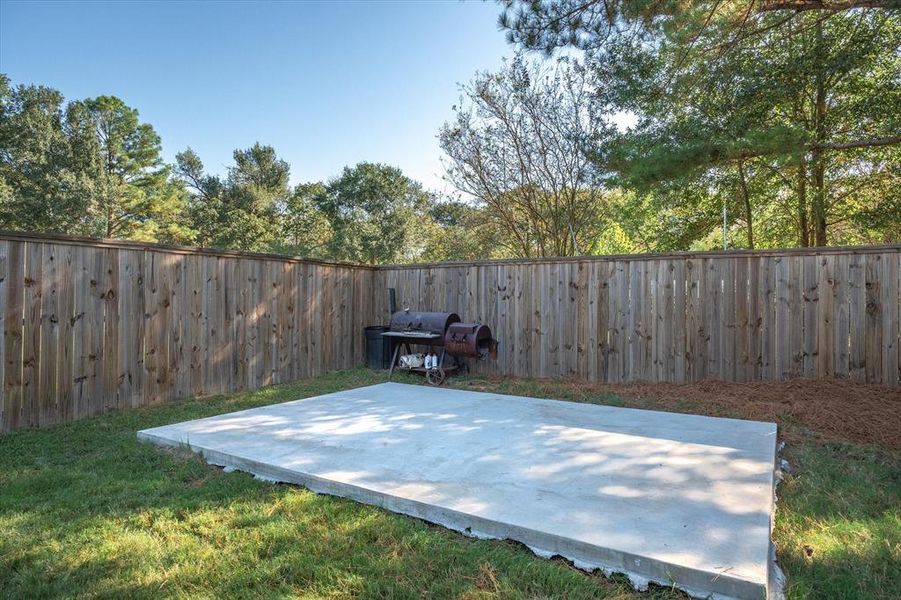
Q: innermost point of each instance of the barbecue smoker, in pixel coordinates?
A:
(444, 334)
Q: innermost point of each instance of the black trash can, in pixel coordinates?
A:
(378, 348)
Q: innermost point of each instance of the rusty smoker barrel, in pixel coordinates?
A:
(468, 339)
(423, 322)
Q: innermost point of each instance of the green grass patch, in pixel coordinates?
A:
(87, 510)
(838, 523)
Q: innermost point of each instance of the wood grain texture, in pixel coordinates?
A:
(5, 424)
(90, 328)
(738, 317)
(13, 331)
(31, 409)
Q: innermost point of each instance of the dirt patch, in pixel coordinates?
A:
(829, 409)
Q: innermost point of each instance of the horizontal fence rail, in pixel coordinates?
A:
(743, 317)
(90, 326)
(89, 329)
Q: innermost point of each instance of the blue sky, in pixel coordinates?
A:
(327, 84)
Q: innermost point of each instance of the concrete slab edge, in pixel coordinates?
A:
(775, 575)
(641, 571)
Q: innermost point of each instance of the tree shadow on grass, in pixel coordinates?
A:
(87, 510)
(838, 522)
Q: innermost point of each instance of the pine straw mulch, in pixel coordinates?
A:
(826, 409)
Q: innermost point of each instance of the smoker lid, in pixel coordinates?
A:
(430, 322)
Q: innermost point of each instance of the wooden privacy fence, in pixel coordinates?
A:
(740, 316)
(90, 327)
(93, 326)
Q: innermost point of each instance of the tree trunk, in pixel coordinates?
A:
(110, 177)
(819, 167)
(803, 226)
(746, 201)
(819, 200)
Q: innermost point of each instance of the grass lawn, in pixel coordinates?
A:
(86, 510)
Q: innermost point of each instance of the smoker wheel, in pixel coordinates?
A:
(435, 376)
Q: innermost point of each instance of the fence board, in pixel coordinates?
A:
(131, 336)
(206, 306)
(66, 347)
(888, 301)
(31, 408)
(286, 299)
(714, 323)
(619, 305)
(12, 335)
(4, 261)
(5, 424)
(873, 346)
(825, 366)
(728, 319)
(535, 313)
(841, 316)
(744, 317)
(82, 331)
(768, 318)
(634, 314)
(741, 321)
(693, 322)
(268, 311)
(796, 309)
(89, 328)
(810, 298)
(754, 320)
(857, 311)
(108, 380)
(179, 351)
(230, 272)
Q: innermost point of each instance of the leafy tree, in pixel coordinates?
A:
(40, 188)
(375, 213)
(241, 211)
(305, 229)
(88, 168)
(205, 204)
(459, 230)
(784, 112)
(810, 113)
(132, 195)
(602, 24)
(517, 147)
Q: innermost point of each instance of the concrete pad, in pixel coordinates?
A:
(670, 498)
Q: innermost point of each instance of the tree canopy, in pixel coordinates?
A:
(787, 118)
(240, 211)
(374, 211)
(618, 126)
(518, 145)
(88, 167)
